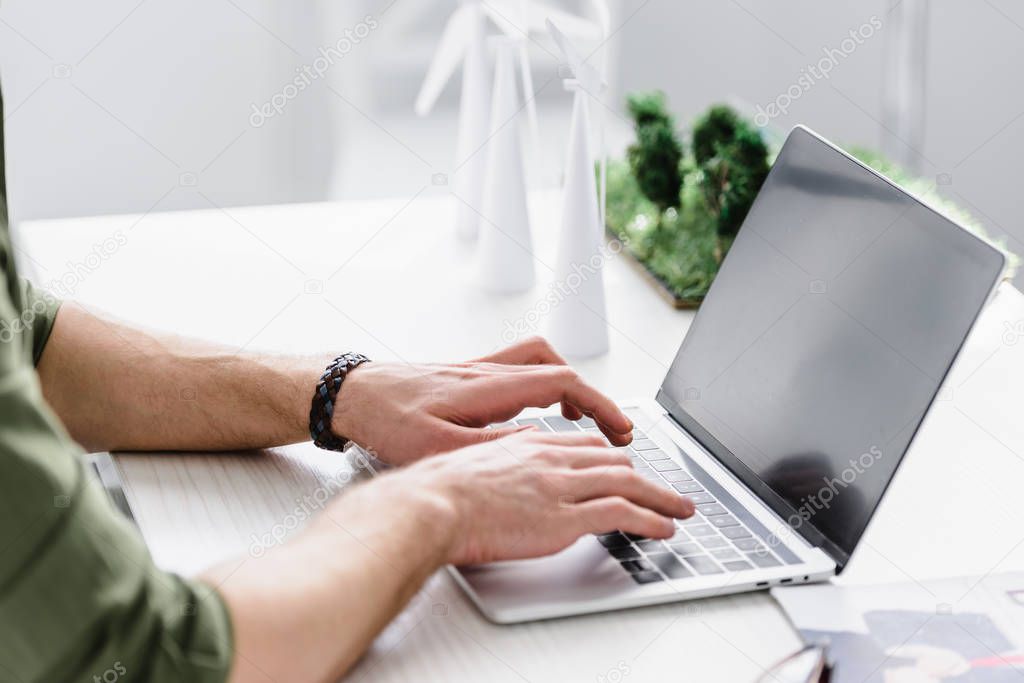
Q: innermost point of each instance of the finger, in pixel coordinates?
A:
(603, 482)
(582, 457)
(571, 412)
(569, 439)
(615, 438)
(534, 351)
(472, 435)
(606, 514)
(531, 351)
(547, 386)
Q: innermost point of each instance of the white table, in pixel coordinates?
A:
(389, 279)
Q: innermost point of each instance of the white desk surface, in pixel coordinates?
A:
(396, 285)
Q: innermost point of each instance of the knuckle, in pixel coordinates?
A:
(621, 476)
(549, 454)
(564, 373)
(537, 342)
(618, 505)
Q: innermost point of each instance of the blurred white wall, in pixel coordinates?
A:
(122, 105)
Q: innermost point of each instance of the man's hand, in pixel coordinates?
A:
(307, 611)
(534, 493)
(403, 412)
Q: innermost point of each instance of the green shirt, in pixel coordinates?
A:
(80, 597)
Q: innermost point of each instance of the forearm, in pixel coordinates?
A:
(307, 611)
(119, 388)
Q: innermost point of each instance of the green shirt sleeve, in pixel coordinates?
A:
(41, 308)
(80, 597)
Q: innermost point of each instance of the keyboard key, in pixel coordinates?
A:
(763, 560)
(624, 553)
(646, 577)
(613, 540)
(687, 486)
(651, 546)
(664, 465)
(679, 536)
(748, 544)
(703, 564)
(533, 422)
(713, 542)
(701, 530)
(633, 537)
(638, 434)
(697, 518)
(643, 445)
(711, 509)
(560, 424)
(638, 565)
(686, 549)
(586, 423)
(725, 554)
(503, 425)
(736, 565)
(670, 565)
(702, 497)
(722, 521)
(651, 456)
(677, 475)
(735, 532)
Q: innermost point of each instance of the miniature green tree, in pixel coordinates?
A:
(733, 160)
(654, 157)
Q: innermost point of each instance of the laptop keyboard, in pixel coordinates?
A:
(713, 541)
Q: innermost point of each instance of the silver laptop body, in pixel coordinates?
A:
(836, 316)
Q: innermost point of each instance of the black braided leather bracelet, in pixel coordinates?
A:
(326, 393)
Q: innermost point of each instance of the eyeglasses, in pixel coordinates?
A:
(808, 665)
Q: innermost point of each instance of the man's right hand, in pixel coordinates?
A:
(533, 494)
(306, 611)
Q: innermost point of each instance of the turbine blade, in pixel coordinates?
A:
(588, 75)
(450, 51)
(539, 13)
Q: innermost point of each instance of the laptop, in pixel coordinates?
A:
(810, 365)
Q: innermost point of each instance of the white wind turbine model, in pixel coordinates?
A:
(578, 325)
(463, 40)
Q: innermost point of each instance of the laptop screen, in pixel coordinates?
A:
(825, 337)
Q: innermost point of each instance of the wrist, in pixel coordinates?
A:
(326, 398)
(350, 406)
(443, 504)
(441, 521)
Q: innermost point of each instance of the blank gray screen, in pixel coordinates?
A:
(834, 318)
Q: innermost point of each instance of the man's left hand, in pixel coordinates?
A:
(403, 412)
